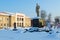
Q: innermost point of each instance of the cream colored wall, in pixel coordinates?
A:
(12, 21)
(3, 20)
(27, 22)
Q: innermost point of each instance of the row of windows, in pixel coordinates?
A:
(4, 19)
(4, 24)
(19, 19)
(20, 24)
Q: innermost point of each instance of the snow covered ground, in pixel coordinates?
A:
(20, 35)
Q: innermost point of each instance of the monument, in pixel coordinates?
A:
(14, 27)
(37, 9)
(36, 21)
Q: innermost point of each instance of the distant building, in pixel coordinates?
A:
(57, 19)
(7, 20)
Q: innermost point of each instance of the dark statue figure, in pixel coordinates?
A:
(37, 9)
(14, 27)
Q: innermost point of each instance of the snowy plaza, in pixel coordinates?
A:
(9, 34)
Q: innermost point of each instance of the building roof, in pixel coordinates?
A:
(4, 13)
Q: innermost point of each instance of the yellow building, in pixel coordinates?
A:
(7, 20)
(4, 19)
(22, 20)
(43, 22)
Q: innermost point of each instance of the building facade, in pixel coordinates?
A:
(4, 19)
(8, 20)
(27, 21)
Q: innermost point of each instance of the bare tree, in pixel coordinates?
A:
(49, 16)
(43, 14)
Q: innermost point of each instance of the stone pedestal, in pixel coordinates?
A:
(36, 22)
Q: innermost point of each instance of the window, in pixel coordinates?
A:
(22, 19)
(4, 24)
(1, 19)
(7, 18)
(1, 24)
(17, 19)
(22, 24)
(18, 24)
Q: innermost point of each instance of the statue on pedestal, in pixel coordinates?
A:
(37, 9)
(36, 21)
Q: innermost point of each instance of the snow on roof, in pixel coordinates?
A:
(9, 13)
(12, 14)
(36, 18)
(19, 14)
(4, 13)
